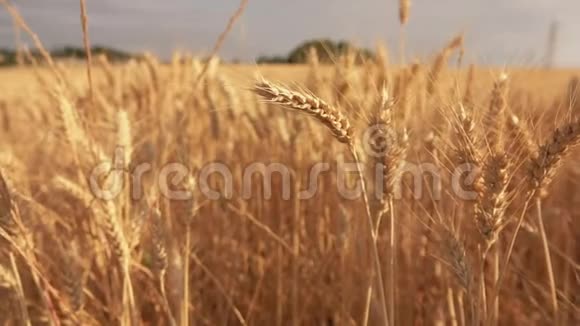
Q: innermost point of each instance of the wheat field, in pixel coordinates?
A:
(193, 192)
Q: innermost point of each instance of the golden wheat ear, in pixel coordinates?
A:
(335, 121)
(159, 250)
(6, 217)
(548, 157)
(6, 278)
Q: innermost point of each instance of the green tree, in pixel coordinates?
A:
(327, 51)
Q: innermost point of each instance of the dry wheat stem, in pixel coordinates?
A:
(392, 162)
(87, 44)
(440, 63)
(237, 14)
(469, 85)
(5, 205)
(20, 291)
(76, 135)
(374, 249)
(184, 311)
(436, 69)
(124, 138)
(543, 166)
(159, 254)
(220, 287)
(392, 262)
(497, 287)
(547, 256)
(340, 127)
(368, 301)
(262, 227)
(404, 9)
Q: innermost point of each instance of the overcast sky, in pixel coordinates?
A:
(497, 31)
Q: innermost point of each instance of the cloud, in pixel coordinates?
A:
(497, 31)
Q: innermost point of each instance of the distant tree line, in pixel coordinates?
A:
(326, 50)
(10, 57)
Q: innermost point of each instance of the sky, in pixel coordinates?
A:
(497, 31)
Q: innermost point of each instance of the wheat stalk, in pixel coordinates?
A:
(6, 221)
(469, 85)
(124, 138)
(87, 44)
(382, 63)
(391, 161)
(75, 134)
(404, 9)
(159, 254)
(441, 61)
(222, 37)
(542, 167)
(340, 127)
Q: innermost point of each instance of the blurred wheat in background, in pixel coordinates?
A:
(411, 250)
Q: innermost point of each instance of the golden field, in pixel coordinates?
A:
(545, 83)
(163, 250)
